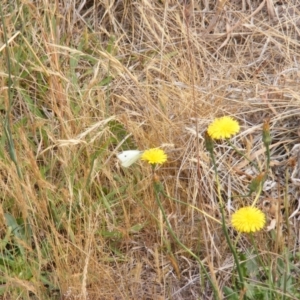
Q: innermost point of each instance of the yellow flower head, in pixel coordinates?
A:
(154, 156)
(223, 128)
(248, 219)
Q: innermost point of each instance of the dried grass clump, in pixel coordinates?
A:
(93, 77)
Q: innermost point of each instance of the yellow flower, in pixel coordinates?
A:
(223, 128)
(154, 156)
(248, 219)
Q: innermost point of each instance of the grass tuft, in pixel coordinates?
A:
(83, 80)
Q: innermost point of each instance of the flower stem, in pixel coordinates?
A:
(224, 227)
(243, 155)
(158, 188)
(232, 249)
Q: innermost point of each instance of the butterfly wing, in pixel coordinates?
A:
(129, 157)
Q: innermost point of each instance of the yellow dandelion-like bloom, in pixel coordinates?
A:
(154, 156)
(248, 219)
(223, 128)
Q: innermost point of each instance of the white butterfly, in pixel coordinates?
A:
(129, 157)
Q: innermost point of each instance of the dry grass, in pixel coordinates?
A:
(93, 77)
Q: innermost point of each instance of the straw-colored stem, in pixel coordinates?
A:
(158, 188)
(224, 227)
(7, 125)
(243, 155)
